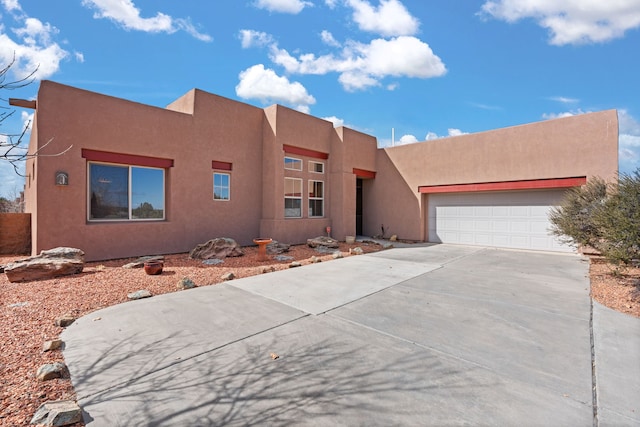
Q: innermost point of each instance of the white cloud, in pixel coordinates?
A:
(331, 3)
(125, 13)
(450, 132)
(551, 116)
(264, 84)
(406, 139)
(251, 38)
(571, 21)
(564, 100)
(364, 65)
(328, 39)
(390, 18)
(32, 47)
(335, 120)
(283, 6)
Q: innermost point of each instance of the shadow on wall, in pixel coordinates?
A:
(391, 203)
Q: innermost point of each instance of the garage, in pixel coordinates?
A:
(505, 219)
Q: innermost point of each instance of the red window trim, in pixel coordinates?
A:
(290, 149)
(533, 184)
(363, 173)
(126, 159)
(225, 166)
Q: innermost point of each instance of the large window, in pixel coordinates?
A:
(292, 198)
(221, 186)
(292, 163)
(125, 192)
(316, 198)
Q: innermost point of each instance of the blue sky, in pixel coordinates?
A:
(426, 69)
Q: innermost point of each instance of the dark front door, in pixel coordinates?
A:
(359, 207)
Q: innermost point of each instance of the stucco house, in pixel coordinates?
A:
(140, 180)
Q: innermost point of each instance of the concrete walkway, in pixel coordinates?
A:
(425, 335)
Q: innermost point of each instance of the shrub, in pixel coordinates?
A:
(573, 221)
(603, 216)
(619, 221)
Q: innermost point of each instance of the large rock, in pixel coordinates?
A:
(220, 248)
(277, 248)
(323, 242)
(49, 264)
(57, 413)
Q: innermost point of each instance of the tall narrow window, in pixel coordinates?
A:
(292, 198)
(316, 198)
(292, 163)
(221, 186)
(125, 192)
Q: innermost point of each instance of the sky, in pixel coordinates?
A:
(401, 70)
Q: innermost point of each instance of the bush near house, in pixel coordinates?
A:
(603, 216)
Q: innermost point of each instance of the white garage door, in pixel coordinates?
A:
(510, 219)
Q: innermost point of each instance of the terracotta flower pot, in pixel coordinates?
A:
(153, 267)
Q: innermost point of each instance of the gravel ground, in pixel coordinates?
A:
(28, 311)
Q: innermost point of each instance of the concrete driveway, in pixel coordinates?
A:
(427, 335)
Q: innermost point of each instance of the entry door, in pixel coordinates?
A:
(359, 207)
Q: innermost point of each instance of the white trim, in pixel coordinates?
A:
(295, 161)
(312, 169)
(228, 187)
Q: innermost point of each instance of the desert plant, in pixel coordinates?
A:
(618, 221)
(573, 221)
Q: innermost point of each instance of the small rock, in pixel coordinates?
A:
(274, 356)
(283, 258)
(394, 238)
(142, 293)
(268, 269)
(64, 321)
(315, 260)
(139, 263)
(228, 276)
(18, 304)
(50, 371)
(57, 413)
(337, 255)
(213, 261)
(51, 345)
(356, 251)
(186, 283)
(387, 246)
(295, 264)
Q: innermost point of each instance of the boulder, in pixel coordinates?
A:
(50, 371)
(277, 248)
(49, 264)
(356, 251)
(64, 320)
(228, 276)
(52, 345)
(186, 283)
(220, 248)
(323, 241)
(57, 413)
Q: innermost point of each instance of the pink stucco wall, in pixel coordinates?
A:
(193, 131)
(584, 145)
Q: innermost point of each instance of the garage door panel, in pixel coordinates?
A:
(517, 219)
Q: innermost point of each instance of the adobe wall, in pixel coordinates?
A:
(584, 145)
(220, 129)
(15, 233)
